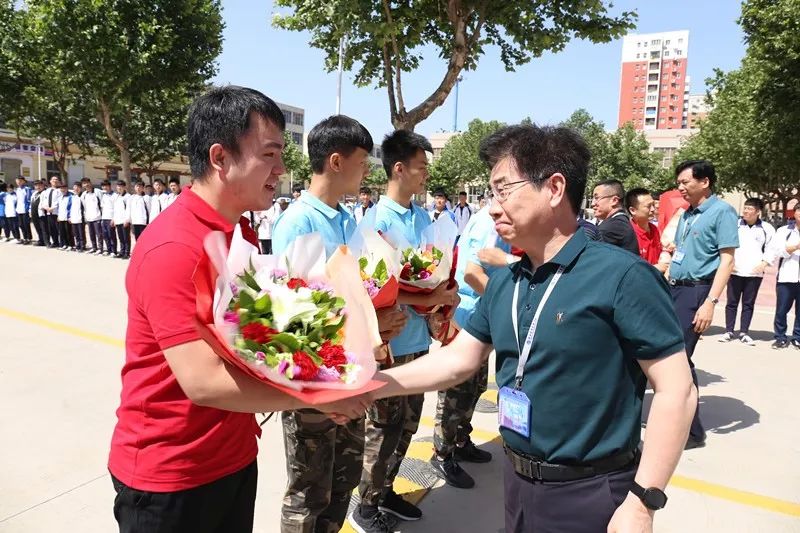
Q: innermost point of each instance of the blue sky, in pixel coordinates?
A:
(283, 65)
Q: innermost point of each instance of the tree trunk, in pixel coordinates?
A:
(125, 161)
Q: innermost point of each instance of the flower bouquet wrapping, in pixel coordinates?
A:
(425, 267)
(296, 322)
(378, 262)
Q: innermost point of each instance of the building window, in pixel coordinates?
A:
(664, 87)
(661, 121)
(652, 98)
(638, 45)
(666, 42)
(680, 41)
(654, 65)
(663, 109)
(666, 53)
(287, 115)
(298, 119)
(678, 75)
(637, 56)
(655, 55)
(678, 52)
(655, 42)
(297, 138)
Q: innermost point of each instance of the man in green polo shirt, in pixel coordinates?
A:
(578, 328)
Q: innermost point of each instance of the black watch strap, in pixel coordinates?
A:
(652, 498)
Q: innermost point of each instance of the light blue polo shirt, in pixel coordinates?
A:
(307, 215)
(701, 234)
(410, 222)
(479, 233)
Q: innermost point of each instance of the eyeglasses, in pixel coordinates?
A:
(502, 194)
(598, 198)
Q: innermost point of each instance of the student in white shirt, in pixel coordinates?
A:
(174, 191)
(91, 199)
(109, 236)
(750, 260)
(785, 247)
(24, 196)
(139, 206)
(159, 199)
(440, 206)
(38, 216)
(264, 222)
(11, 223)
(122, 220)
(62, 213)
(49, 204)
(76, 218)
(364, 203)
(463, 212)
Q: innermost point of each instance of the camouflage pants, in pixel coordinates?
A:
(323, 463)
(454, 410)
(391, 424)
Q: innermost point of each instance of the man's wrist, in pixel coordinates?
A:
(713, 301)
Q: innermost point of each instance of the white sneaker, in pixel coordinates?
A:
(746, 339)
(728, 337)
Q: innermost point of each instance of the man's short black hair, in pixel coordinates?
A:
(462, 193)
(22, 178)
(297, 188)
(758, 203)
(175, 179)
(439, 193)
(158, 180)
(121, 183)
(632, 197)
(86, 180)
(223, 116)
(105, 182)
(365, 190)
(617, 189)
(136, 183)
(700, 169)
(336, 134)
(400, 146)
(539, 152)
(3, 186)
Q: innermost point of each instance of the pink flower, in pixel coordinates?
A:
(260, 356)
(424, 274)
(283, 366)
(231, 317)
(327, 373)
(234, 289)
(278, 273)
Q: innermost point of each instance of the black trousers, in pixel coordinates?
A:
(11, 227)
(52, 230)
(744, 289)
(788, 295)
(266, 246)
(687, 300)
(582, 506)
(40, 224)
(24, 220)
(138, 229)
(79, 235)
(109, 236)
(65, 233)
(222, 506)
(124, 239)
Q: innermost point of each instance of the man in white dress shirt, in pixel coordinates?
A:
(122, 220)
(364, 203)
(139, 206)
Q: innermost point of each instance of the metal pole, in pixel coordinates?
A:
(339, 84)
(38, 159)
(455, 111)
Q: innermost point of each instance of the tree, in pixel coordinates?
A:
(385, 38)
(123, 55)
(622, 154)
(459, 165)
(12, 80)
(296, 162)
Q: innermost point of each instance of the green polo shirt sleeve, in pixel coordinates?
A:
(644, 314)
(478, 324)
(727, 229)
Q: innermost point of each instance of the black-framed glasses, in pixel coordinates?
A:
(502, 194)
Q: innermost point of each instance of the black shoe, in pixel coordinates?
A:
(394, 504)
(366, 519)
(472, 454)
(796, 343)
(780, 344)
(691, 444)
(449, 470)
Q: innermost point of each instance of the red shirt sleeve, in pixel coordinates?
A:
(166, 293)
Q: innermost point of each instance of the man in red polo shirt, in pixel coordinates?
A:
(641, 207)
(183, 453)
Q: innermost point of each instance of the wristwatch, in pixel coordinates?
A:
(652, 498)
(714, 301)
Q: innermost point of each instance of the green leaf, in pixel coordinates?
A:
(362, 263)
(285, 340)
(381, 272)
(249, 280)
(263, 304)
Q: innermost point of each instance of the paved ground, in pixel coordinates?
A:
(62, 323)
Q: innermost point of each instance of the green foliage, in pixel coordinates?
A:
(386, 38)
(296, 162)
(376, 178)
(459, 164)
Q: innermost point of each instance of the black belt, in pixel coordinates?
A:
(690, 282)
(539, 470)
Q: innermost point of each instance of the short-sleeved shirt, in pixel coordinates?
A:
(309, 214)
(479, 233)
(410, 222)
(609, 310)
(617, 230)
(650, 246)
(702, 232)
(162, 441)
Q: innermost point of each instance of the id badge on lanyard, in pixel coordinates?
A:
(680, 252)
(514, 406)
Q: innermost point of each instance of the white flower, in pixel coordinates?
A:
(289, 305)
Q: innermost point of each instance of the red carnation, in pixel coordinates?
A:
(258, 332)
(332, 355)
(406, 272)
(304, 367)
(296, 283)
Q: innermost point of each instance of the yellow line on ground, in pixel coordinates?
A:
(420, 450)
(490, 395)
(63, 328)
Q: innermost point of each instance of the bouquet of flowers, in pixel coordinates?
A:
(296, 322)
(425, 267)
(378, 262)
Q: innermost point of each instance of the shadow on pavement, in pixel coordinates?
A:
(719, 414)
(715, 331)
(707, 378)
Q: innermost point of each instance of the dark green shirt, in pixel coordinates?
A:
(609, 309)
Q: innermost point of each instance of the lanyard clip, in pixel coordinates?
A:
(518, 383)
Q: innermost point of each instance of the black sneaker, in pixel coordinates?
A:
(394, 504)
(370, 520)
(472, 454)
(691, 443)
(796, 343)
(449, 470)
(780, 344)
